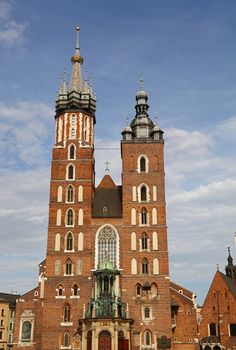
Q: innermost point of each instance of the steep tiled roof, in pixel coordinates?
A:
(107, 202)
(230, 283)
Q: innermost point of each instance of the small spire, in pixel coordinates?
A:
(156, 118)
(86, 86)
(106, 164)
(217, 267)
(141, 81)
(63, 87)
(127, 121)
(77, 37)
(230, 259)
(90, 85)
(77, 60)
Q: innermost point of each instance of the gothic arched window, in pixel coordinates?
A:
(69, 242)
(147, 312)
(144, 216)
(70, 194)
(66, 340)
(66, 316)
(138, 289)
(145, 266)
(71, 153)
(142, 164)
(143, 193)
(75, 290)
(70, 172)
(60, 290)
(70, 217)
(144, 241)
(107, 245)
(147, 338)
(68, 267)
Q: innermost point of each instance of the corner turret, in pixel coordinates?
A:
(230, 269)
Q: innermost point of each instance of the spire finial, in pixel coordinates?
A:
(229, 250)
(107, 164)
(141, 81)
(217, 267)
(127, 121)
(86, 73)
(90, 84)
(77, 37)
(157, 116)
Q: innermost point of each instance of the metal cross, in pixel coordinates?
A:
(141, 81)
(106, 163)
(157, 115)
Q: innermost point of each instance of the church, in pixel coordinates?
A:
(105, 283)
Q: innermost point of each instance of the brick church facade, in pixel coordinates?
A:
(105, 281)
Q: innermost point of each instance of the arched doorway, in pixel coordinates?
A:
(104, 340)
(120, 340)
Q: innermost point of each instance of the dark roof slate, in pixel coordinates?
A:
(231, 284)
(9, 298)
(107, 202)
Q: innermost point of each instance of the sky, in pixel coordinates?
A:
(186, 52)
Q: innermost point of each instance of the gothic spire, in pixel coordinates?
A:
(63, 88)
(230, 269)
(77, 60)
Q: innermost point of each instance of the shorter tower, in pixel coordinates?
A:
(144, 249)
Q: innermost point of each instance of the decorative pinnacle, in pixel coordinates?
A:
(77, 37)
(217, 267)
(86, 73)
(107, 164)
(77, 57)
(141, 82)
(157, 115)
(229, 250)
(127, 121)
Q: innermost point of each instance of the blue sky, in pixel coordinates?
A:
(186, 52)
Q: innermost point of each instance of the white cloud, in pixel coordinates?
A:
(11, 32)
(26, 130)
(185, 144)
(227, 129)
(201, 192)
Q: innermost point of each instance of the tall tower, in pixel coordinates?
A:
(145, 277)
(69, 256)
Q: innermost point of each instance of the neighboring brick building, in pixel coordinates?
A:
(7, 319)
(105, 282)
(184, 318)
(218, 314)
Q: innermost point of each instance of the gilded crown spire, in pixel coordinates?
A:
(79, 95)
(77, 61)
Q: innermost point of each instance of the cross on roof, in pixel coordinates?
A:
(107, 164)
